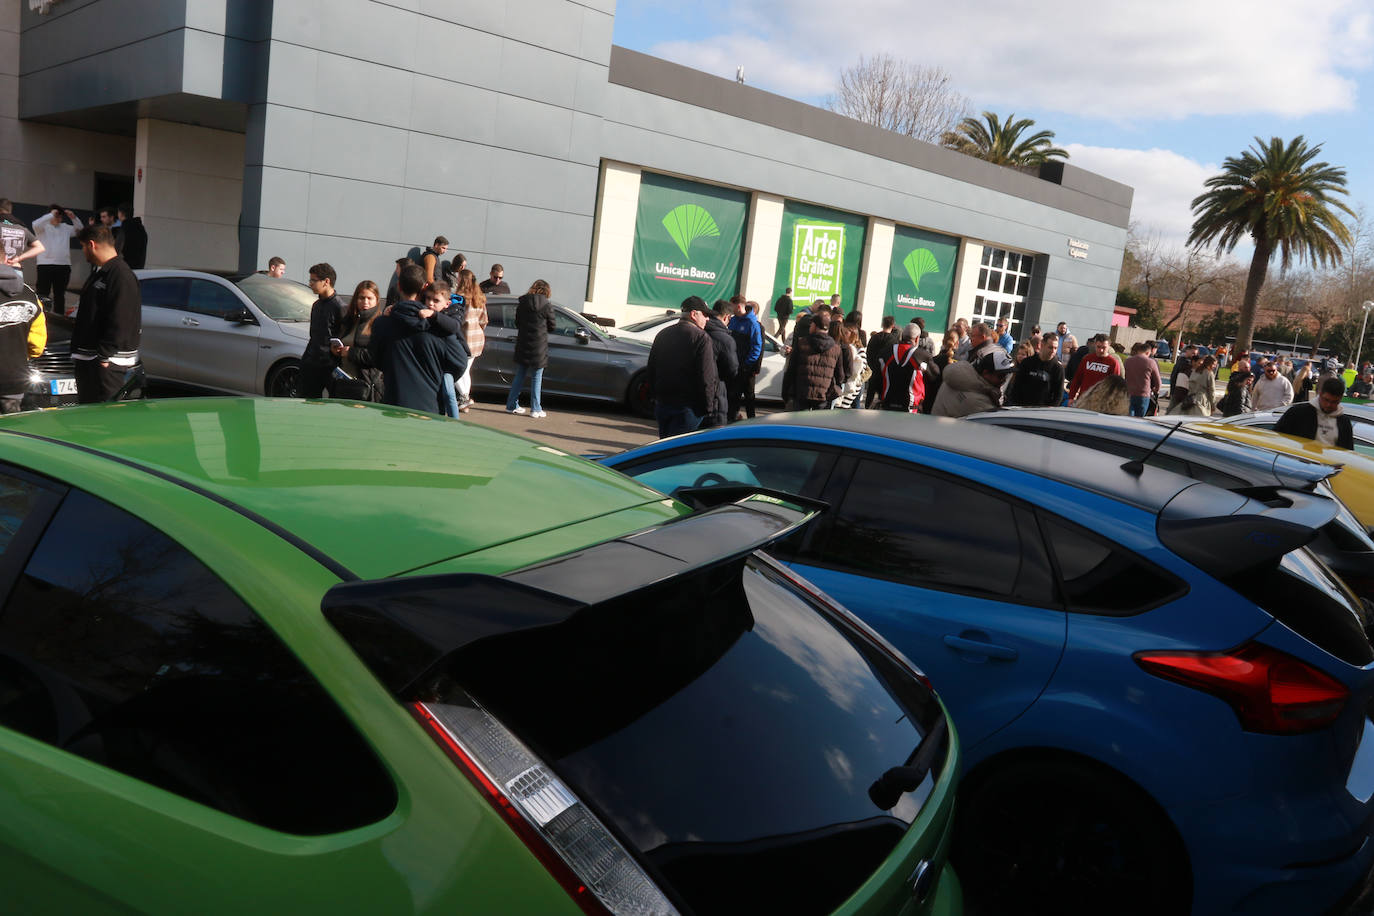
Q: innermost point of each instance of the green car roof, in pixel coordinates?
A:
(379, 490)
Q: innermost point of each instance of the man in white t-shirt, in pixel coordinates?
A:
(55, 261)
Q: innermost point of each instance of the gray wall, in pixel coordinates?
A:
(665, 117)
(382, 127)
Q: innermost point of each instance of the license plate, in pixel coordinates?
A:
(62, 386)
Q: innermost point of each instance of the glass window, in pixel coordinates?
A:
(777, 467)
(163, 292)
(987, 256)
(1023, 286)
(1098, 577)
(209, 298)
(1013, 261)
(17, 499)
(983, 278)
(901, 523)
(279, 299)
(565, 324)
(1009, 283)
(119, 646)
(999, 257)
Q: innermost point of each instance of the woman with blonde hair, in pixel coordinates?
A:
(1108, 396)
(474, 320)
(355, 357)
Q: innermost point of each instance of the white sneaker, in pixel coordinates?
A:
(538, 415)
(517, 410)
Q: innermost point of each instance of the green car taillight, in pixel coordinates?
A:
(580, 853)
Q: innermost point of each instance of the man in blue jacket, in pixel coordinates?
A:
(748, 334)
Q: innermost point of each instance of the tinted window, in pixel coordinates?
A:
(778, 467)
(17, 500)
(1304, 596)
(117, 645)
(901, 523)
(728, 729)
(209, 298)
(565, 324)
(1098, 577)
(164, 292)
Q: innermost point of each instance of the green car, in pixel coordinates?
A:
(296, 657)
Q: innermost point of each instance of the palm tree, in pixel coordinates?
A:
(1281, 199)
(1001, 142)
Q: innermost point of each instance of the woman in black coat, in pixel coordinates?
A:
(533, 322)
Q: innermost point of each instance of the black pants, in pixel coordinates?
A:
(52, 286)
(96, 383)
(742, 392)
(314, 380)
(782, 326)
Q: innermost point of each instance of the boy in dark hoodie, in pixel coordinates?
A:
(415, 353)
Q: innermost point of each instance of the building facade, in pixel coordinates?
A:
(351, 131)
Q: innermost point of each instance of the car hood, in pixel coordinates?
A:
(380, 490)
(296, 329)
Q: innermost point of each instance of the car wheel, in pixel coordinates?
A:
(639, 398)
(284, 381)
(1063, 837)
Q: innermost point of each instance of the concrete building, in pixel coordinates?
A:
(350, 131)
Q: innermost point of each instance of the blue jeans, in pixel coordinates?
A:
(448, 401)
(536, 377)
(1139, 405)
(675, 420)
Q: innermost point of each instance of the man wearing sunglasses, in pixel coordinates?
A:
(1271, 389)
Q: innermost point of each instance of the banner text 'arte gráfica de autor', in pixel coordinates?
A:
(689, 241)
(820, 253)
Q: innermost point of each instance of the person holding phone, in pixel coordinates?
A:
(326, 315)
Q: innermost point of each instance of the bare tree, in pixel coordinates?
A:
(1184, 276)
(916, 100)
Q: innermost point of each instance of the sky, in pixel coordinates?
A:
(1155, 95)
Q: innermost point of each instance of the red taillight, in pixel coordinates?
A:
(1271, 691)
(576, 848)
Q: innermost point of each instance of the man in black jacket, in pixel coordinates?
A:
(1039, 379)
(109, 320)
(1324, 421)
(879, 348)
(413, 360)
(326, 316)
(682, 371)
(727, 362)
(783, 309)
(134, 237)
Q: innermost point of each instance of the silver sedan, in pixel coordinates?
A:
(240, 334)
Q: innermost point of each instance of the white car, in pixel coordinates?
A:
(767, 387)
(238, 335)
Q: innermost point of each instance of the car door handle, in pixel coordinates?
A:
(978, 647)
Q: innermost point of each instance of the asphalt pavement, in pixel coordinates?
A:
(579, 427)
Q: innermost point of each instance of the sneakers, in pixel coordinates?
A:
(538, 415)
(517, 410)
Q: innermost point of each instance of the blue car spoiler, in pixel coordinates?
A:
(1226, 533)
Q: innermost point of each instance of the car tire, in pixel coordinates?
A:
(639, 398)
(1067, 837)
(284, 380)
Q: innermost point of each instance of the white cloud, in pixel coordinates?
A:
(1165, 184)
(1118, 59)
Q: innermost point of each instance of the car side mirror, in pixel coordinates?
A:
(242, 316)
(583, 335)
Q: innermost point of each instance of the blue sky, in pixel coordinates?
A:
(1155, 95)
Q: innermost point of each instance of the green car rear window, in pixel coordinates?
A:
(119, 646)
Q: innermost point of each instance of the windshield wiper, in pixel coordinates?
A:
(889, 788)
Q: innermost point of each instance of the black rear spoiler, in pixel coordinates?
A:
(402, 627)
(1226, 533)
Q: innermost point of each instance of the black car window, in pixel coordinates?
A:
(1099, 577)
(1214, 477)
(566, 325)
(777, 467)
(164, 292)
(500, 316)
(209, 298)
(119, 646)
(902, 523)
(17, 500)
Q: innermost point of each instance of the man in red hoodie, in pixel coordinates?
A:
(1093, 368)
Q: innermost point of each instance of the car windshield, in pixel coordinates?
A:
(648, 324)
(280, 300)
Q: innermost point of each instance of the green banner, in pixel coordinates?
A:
(689, 241)
(820, 253)
(920, 281)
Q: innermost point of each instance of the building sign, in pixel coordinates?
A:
(689, 241)
(820, 252)
(920, 280)
(1078, 248)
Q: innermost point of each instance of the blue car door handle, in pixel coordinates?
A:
(977, 647)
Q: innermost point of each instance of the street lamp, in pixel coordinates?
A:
(1368, 307)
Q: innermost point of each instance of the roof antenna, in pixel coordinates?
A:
(1137, 465)
(739, 74)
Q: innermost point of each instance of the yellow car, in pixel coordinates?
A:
(1354, 484)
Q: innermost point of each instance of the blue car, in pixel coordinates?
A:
(1164, 698)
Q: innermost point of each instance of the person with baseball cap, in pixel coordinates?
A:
(682, 371)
